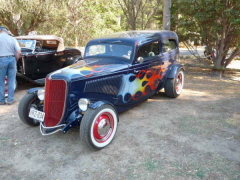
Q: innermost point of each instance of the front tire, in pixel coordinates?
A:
(98, 126)
(174, 87)
(29, 100)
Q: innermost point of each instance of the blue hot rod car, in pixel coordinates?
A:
(117, 72)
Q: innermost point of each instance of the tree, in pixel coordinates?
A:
(139, 13)
(167, 15)
(76, 21)
(24, 16)
(217, 23)
(86, 19)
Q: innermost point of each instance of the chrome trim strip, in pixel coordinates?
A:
(23, 65)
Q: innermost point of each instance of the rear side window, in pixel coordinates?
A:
(149, 50)
(50, 44)
(168, 45)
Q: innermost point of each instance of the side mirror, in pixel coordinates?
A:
(140, 60)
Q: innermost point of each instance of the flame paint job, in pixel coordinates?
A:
(88, 70)
(141, 84)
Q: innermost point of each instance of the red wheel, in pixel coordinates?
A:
(98, 127)
(179, 81)
(174, 87)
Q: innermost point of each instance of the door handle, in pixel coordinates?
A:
(136, 71)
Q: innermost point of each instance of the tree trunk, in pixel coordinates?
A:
(217, 64)
(76, 42)
(217, 73)
(219, 56)
(166, 15)
(229, 60)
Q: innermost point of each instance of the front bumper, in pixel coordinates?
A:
(51, 130)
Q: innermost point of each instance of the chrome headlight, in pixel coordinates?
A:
(40, 94)
(83, 104)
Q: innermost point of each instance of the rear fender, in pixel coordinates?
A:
(72, 60)
(170, 74)
(77, 58)
(173, 70)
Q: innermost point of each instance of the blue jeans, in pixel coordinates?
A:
(7, 68)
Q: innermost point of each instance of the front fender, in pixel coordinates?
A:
(98, 104)
(72, 60)
(34, 90)
(172, 71)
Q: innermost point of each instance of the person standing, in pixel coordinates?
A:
(10, 52)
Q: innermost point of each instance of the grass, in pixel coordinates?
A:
(150, 165)
(216, 166)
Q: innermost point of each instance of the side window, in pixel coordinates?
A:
(168, 45)
(149, 50)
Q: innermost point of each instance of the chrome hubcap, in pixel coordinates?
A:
(103, 127)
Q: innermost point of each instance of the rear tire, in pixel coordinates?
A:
(98, 127)
(174, 87)
(29, 100)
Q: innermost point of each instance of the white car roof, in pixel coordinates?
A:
(45, 37)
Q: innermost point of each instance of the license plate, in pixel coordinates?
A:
(35, 114)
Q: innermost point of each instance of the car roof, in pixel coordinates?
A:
(44, 37)
(138, 36)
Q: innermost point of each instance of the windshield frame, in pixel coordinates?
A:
(108, 52)
(25, 41)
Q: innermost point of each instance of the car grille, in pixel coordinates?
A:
(54, 101)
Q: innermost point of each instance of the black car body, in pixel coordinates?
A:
(118, 72)
(42, 54)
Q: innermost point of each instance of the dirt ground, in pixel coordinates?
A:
(196, 136)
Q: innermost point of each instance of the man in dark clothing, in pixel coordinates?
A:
(10, 52)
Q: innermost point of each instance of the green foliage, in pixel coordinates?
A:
(139, 14)
(23, 16)
(214, 22)
(76, 21)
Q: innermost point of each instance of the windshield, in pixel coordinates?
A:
(29, 44)
(109, 50)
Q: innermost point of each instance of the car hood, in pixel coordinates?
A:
(88, 68)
